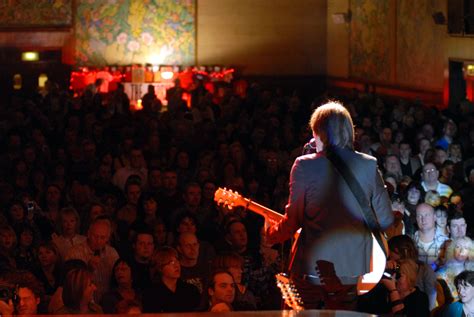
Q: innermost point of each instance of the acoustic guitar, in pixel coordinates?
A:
(365, 282)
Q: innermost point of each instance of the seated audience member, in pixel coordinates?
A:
(441, 214)
(457, 229)
(49, 269)
(161, 235)
(56, 300)
(96, 252)
(233, 263)
(187, 222)
(78, 294)
(429, 181)
(413, 196)
(457, 226)
(403, 248)
(428, 240)
(168, 292)
(25, 252)
(459, 257)
(137, 167)
(69, 231)
(408, 164)
(221, 292)
(147, 211)
(120, 288)
(194, 266)
(128, 213)
(7, 248)
(404, 296)
(392, 166)
(29, 293)
(465, 306)
(143, 248)
(192, 205)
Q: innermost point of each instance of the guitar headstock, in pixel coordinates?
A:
(229, 198)
(289, 292)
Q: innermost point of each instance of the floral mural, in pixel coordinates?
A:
(35, 13)
(370, 42)
(419, 54)
(124, 32)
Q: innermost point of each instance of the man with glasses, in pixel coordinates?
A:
(430, 181)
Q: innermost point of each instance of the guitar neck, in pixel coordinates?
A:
(263, 211)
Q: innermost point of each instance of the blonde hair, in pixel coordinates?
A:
(409, 268)
(333, 124)
(460, 241)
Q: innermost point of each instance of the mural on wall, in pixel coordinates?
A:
(419, 54)
(370, 42)
(124, 32)
(35, 13)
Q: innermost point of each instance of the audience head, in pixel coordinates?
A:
(78, 288)
(188, 246)
(143, 245)
(460, 250)
(441, 214)
(402, 247)
(186, 222)
(99, 233)
(48, 255)
(221, 288)
(408, 275)
(29, 292)
(430, 174)
(121, 274)
(7, 238)
(464, 282)
(165, 264)
(231, 262)
(414, 193)
(425, 217)
(192, 195)
(457, 226)
(236, 234)
(69, 221)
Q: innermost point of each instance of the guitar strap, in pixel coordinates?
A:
(354, 185)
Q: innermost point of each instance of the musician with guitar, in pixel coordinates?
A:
(328, 192)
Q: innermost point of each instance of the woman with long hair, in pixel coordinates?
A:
(78, 294)
(120, 287)
(48, 271)
(459, 256)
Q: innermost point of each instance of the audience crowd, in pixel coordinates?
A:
(107, 210)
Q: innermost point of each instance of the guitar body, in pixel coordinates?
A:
(378, 261)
